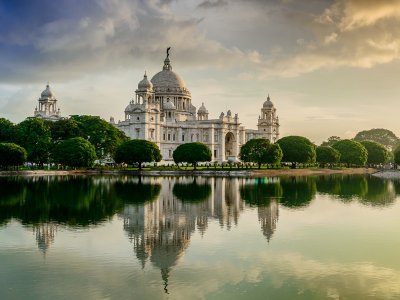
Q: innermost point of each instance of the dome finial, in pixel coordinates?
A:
(167, 65)
(169, 48)
(268, 98)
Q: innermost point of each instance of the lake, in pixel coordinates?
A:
(123, 237)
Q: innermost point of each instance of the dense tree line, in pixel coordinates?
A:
(379, 144)
(43, 140)
(80, 140)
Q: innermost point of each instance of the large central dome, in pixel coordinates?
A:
(168, 79)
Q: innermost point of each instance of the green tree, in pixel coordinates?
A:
(11, 155)
(33, 135)
(397, 155)
(351, 152)
(260, 151)
(105, 137)
(75, 152)
(327, 155)
(297, 149)
(7, 130)
(192, 153)
(379, 135)
(64, 129)
(137, 151)
(377, 153)
(331, 140)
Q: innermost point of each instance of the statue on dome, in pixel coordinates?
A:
(169, 48)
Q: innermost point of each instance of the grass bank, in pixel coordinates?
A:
(233, 172)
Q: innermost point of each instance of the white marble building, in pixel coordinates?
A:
(162, 112)
(47, 108)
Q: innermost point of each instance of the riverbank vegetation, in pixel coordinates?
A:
(89, 141)
(43, 141)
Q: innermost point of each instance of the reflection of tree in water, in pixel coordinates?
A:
(346, 187)
(258, 192)
(192, 192)
(132, 191)
(263, 193)
(380, 192)
(297, 192)
(368, 190)
(68, 200)
(42, 203)
(12, 196)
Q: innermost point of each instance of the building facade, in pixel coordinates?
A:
(162, 112)
(47, 108)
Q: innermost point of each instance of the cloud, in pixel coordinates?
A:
(353, 33)
(113, 35)
(212, 4)
(276, 39)
(354, 14)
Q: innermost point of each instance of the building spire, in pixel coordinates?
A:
(167, 65)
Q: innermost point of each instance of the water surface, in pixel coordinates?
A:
(327, 237)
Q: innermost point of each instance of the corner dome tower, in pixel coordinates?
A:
(145, 84)
(268, 103)
(47, 93)
(47, 108)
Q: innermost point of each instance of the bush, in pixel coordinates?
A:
(12, 155)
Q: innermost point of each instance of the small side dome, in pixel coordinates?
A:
(202, 109)
(47, 93)
(145, 84)
(268, 103)
(169, 105)
(129, 108)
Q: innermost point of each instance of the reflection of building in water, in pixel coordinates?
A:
(227, 203)
(265, 194)
(161, 230)
(268, 217)
(45, 234)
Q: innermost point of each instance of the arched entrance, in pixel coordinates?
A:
(230, 146)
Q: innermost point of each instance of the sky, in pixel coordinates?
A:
(330, 66)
